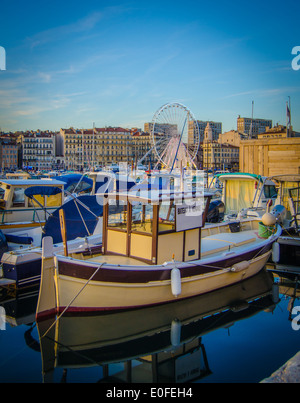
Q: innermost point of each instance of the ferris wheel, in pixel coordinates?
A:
(175, 136)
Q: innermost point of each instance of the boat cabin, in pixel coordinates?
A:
(289, 196)
(18, 175)
(154, 230)
(16, 206)
(243, 191)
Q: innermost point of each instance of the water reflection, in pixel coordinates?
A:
(166, 340)
(159, 344)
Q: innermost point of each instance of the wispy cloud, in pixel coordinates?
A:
(45, 77)
(266, 92)
(53, 34)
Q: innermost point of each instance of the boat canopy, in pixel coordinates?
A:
(237, 175)
(286, 178)
(75, 179)
(42, 191)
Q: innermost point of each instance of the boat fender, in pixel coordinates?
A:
(239, 306)
(236, 268)
(175, 282)
(175, 332)
(275, 252)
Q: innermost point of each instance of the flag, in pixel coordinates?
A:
(288, 114)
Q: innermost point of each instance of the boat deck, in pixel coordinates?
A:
(117, 260)
(210, 245)
(226, 241)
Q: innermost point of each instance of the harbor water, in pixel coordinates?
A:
(242, 333)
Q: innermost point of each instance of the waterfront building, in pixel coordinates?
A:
(270, 155)
(96, 147)
(8, 154)
(39, 149)
(216, 155)
(216, 128)
(159, 127)
(252, 127)
(141, 146)
(278, 131)
(233, 137)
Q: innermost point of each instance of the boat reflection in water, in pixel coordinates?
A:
(166, 341)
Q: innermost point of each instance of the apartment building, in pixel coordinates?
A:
(8, 155)
(141, 146)
(216, 129)
(219, 156)
(96, 147)
(252, 127)
(39, 149)
(233, 137)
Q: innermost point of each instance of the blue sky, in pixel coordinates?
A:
(72, 63)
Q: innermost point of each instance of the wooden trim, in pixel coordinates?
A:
(129, 218)
(183, 246)
(105, 224)
(199, 251)
(116, 229)
(29, 225)
(141, 233)
(133, 276)
(154, 233)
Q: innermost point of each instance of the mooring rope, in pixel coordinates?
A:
(67, 307)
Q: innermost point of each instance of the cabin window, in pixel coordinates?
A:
(142, 218)
(18, 198)
(117, 215)
(166, 217)
(270, 191)
(38, 198)
(54, 200)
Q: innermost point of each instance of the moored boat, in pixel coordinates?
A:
(153, 335)
(155, 251)
(246, 195)
(286, 256)
(21, 259)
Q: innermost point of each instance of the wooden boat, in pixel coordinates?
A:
(19, 211)
(21, 263)
(155, 251)
(158, 333)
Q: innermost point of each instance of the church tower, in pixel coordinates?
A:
(208, 135)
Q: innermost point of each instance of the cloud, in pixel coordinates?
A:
(56, 33)
(45, 77)
(266, 92)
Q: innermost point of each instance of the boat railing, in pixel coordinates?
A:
(4, 213)
(294, 204)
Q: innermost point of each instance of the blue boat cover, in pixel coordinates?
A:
(26, 240)
(121, 184)
(74, 224)
(42, 191)
(73, 179)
